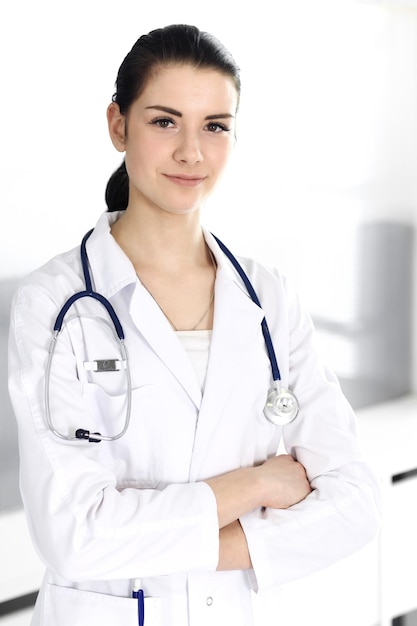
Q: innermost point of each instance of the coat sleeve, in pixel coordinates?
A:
(83, 524)
(342, 513)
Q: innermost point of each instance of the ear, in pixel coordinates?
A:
(117, 126)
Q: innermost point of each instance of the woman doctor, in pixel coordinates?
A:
(191, 506)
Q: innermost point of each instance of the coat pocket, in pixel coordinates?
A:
(67, 606)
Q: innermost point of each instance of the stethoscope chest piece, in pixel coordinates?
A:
(281, 406)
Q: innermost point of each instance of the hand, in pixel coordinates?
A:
(278, 483)
(284, 482)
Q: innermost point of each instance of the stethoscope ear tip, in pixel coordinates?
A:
(85, 435)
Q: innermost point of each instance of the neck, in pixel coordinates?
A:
(173, 264)
(168, 242)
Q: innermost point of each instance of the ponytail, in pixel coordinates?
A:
(117, 190)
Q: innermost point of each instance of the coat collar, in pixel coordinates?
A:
(111, 269)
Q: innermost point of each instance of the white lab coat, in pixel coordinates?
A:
(103, 514)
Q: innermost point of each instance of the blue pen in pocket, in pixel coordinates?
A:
(137, 593)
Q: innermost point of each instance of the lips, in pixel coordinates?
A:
(184, 180)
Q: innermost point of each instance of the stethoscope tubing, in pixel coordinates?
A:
(82, 433)
(88, 292)
(279, 399)
(276, 375)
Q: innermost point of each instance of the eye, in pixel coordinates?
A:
(163, 122)
(217, 127)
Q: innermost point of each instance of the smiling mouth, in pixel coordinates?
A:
(185, 181)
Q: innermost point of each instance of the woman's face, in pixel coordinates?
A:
(177, 137)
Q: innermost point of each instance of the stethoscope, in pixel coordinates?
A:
(281, 406)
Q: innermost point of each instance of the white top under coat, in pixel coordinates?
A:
(196, 343)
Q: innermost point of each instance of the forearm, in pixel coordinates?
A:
(233, 552)
(236, 493)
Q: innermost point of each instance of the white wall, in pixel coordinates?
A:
(327, 134)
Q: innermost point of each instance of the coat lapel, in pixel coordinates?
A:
(158, 333)
(237, 322)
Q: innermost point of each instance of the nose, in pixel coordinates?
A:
(188, 149)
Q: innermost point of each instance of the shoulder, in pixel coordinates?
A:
(50, 283)
(264, 278)
(63, 275)
(278, 296)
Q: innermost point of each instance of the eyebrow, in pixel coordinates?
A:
(165, 109)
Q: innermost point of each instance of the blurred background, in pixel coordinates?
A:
(322, 184)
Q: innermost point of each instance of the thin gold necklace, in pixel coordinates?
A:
(205, 311)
